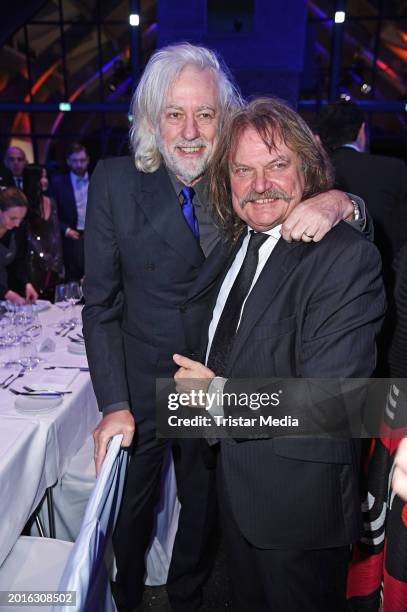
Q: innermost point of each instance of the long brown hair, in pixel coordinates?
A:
(273, 120)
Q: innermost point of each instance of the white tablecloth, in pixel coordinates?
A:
(35, 447)
(19, 483)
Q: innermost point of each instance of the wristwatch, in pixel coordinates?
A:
(356, 210)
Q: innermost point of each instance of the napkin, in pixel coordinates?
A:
(54, 380)
(47, 346)
(77, 348)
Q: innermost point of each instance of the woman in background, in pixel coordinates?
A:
(378, 571)
(45, 261)
(14, 281)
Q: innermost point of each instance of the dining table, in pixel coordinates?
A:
(38, 437)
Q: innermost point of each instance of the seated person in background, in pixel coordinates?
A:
(45, 260)
(14, 285)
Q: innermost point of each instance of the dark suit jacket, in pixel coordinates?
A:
(382, 183)
(140, 260)
(62, 191)
(313, 313)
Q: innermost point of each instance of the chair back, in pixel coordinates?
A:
(85, 571)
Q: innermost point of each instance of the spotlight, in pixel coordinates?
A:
(134, 19)
(339, 17)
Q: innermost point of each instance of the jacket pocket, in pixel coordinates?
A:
(320, 450)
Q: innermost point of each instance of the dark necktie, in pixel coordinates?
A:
(19, 182)
(188, 210)
(225, 333)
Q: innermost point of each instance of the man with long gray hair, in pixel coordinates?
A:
(148, 231)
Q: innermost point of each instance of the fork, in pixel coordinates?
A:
(6, 379)
(31, 390)
(78, 340)
(68, 329)
(19, 375)
(62, 326)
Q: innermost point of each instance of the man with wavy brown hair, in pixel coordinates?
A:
(290, 507)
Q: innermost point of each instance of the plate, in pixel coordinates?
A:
(24, 403)
(76, 348)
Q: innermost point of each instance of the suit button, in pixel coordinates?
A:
(149, 267)
(183, 308)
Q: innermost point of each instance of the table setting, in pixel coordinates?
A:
(46, 399)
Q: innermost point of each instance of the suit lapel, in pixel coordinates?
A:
(213, 270)
(162, 208)
(283, 259)
(71, 198)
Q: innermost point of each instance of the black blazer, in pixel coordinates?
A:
(62, 191)
(314, 313)
(382, 183)
(13, 261)
(140, 260)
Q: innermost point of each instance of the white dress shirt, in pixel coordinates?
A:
(264, 253)
(217, 384)
(80, 186)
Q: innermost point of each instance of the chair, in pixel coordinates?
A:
(42, 564)
(71, 495)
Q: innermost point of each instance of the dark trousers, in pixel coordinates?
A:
(191, 560)
(74, 258)
(275, 580)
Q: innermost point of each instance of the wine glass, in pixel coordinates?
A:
(9, 340)
(74, 294)
(33, 329)
(61, 301)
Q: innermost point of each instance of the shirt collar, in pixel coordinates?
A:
(274, 232)
(200, 188)
(79, 179)
(352, 145)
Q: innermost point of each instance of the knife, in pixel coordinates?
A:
(39, 394)
(81, 368)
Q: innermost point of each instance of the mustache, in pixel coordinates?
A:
(253, 196)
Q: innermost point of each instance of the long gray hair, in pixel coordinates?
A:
(161, 71)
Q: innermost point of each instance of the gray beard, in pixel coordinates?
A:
(181, 170)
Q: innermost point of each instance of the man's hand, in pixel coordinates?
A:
(30, 294)
(400, 471)
(120, 422)
(14, 297)
(313, 218)
(72, 234)
(192, 375)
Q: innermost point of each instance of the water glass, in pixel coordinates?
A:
(74, 295)
(28, 355)
(61, 299)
